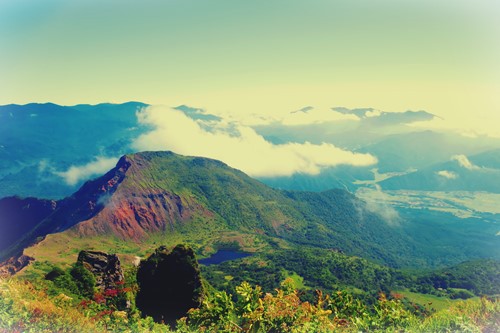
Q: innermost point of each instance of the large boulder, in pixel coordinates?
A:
(105, 267)
(14, 265)
(169, 284)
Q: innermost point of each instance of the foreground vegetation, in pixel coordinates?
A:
(294, 289)
(57, 306)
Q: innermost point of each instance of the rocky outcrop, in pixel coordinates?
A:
(105, 267)
(14, 265)
(169, 284)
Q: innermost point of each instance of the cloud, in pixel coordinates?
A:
(44, 165)
(379, 203)
(374, 113)
(464, 162)
(196, 113)
(471, 127)
(398, 118)
(447, 174)
(99, 165)
(310, 115)
(382, 118)
(237, 145)
(359, 112)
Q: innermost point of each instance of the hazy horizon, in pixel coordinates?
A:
(264, 58)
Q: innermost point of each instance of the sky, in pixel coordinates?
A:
(266, 57)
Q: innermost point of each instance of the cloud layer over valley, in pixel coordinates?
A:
(237, 145)
(77, 173)
(464, 162)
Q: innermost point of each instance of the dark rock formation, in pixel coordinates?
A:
(169, 284)
(14, 265)
(105, 267)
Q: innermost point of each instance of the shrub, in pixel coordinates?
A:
(84, 280)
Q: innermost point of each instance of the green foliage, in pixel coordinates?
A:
(481, 277)
(455, 293)
(84, 280)
(215, 314)
(346, 308)
(283, 311)
(390, 313)
(331, 271)
(255, 312)
(325, 269)
(67, 284)
(29, 307)
(54, 273)
(77, 281)
(248, 297)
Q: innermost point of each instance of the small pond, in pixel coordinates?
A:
(223, 255)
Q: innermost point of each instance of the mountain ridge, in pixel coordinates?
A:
(164, 193)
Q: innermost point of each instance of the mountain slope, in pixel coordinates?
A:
(82, 205)
(161, 193)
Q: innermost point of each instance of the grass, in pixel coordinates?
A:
(431, 302)
(27, 307)
(298, 281)
(62, 249)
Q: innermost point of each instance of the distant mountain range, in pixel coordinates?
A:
(39, 140)
(479, 172)
(49, 151)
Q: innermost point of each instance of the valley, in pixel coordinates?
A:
(462, 204)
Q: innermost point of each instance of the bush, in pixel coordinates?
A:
(84, 280)
(67, 284)
(454, 293)
(54, 273)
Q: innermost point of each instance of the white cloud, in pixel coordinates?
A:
(470, 127)
(44, 165)
(75, 174)
(253, 119)
(316, 116)
(464, 162)
(447, 174)
(237, 145)
(374, 113)
(379, 203)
